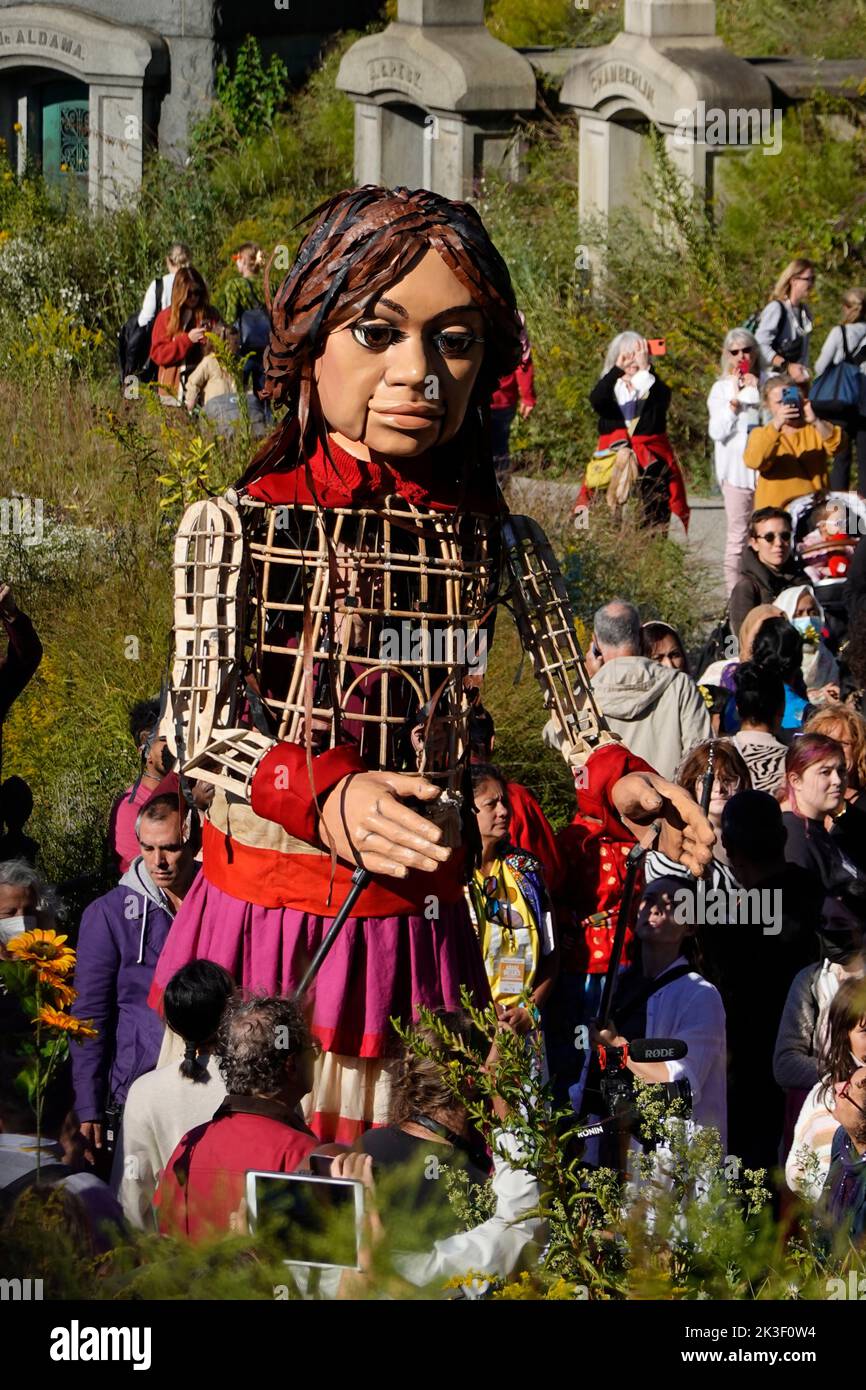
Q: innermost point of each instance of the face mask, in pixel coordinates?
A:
(14, 926)
(801, 624)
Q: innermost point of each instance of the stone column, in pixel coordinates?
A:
(664, 19)
(432, 12)
(116, 119)
(368, 142)
(614, 167)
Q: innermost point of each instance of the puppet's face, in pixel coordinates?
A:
(397, 379)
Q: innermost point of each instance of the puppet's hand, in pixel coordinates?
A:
(686, 836)
(369, 824)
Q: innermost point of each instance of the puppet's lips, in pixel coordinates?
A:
(407, 415)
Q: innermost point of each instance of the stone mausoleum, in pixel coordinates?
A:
(439, 102)
(86, 89)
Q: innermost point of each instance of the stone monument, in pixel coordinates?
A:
(668, 68)
(436, 99)
(82, 88)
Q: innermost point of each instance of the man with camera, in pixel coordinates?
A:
(665, 996)
(792, 454)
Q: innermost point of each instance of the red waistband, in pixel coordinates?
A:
(272, 878)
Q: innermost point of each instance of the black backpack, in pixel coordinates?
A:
(254, 327)
(717, 645)
(133, 345)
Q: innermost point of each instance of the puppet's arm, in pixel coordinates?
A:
(201, 720)
(539, 599)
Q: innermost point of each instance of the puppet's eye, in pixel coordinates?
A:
(455, 344)
(374, 335)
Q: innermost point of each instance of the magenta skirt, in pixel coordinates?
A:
(379, 967)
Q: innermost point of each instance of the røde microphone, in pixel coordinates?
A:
(657, 1049)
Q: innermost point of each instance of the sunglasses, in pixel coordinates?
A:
(740, 352)
(770, 536)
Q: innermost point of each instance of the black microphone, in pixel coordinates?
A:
(657, 1049)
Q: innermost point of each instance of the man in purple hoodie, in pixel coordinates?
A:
(121, 936)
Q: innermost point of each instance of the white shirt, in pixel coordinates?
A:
(498, 1244)
(808, 1163)
(162, 1106)
(833, 350)
(729, 431)
(631, 392)
(150, 308)
(691, 1009)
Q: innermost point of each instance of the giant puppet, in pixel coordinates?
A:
(326, 611)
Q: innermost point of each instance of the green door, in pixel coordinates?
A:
(65, 133)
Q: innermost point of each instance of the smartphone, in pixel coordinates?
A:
(657, 347)
(320, 1165)
(316, 1221)
(791, 396)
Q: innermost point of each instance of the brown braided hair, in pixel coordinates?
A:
(364, 240)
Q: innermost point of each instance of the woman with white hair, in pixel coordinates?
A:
(631, 402)
(734, 404)
(785, 326)
(24, 903)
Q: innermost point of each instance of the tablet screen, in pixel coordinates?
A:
(315, 1221)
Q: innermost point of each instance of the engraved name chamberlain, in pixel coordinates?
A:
(615, 74)
(42, 38)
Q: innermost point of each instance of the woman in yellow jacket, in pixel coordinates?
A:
(792, 454)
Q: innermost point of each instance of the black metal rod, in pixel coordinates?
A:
(360, 879)
(708, 779)
(632, 867)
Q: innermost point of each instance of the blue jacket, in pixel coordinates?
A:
(121, 936)
(844, 1195)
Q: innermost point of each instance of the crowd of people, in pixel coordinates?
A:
(203, 356)
(757, 966)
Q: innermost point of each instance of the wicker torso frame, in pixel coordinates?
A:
(322, 626)
(364, 621)
(349, 624)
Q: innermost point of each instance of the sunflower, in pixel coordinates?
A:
(63, 993)
(53, 1018)
(43, 948)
